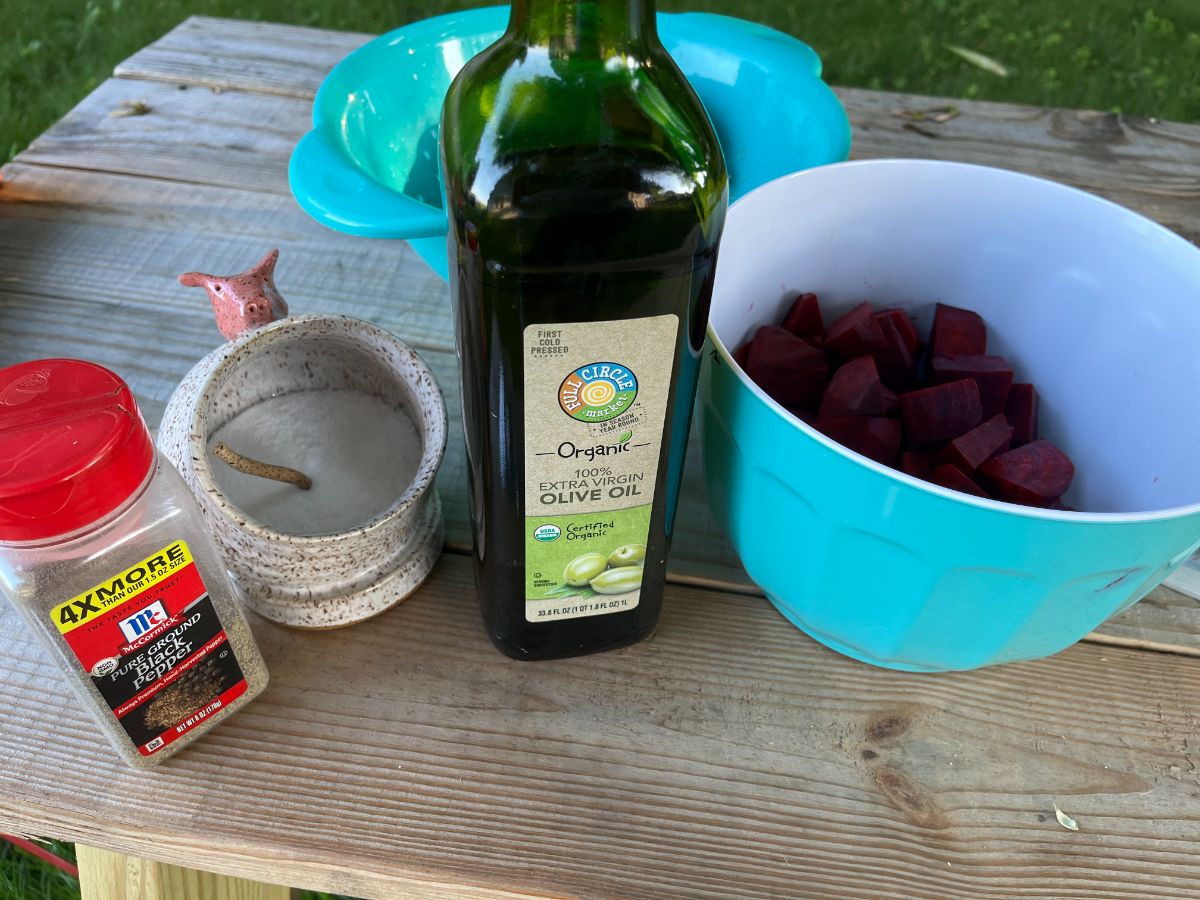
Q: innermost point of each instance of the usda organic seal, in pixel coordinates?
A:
(546, 533)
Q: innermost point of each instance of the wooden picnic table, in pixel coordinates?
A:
(728, 756)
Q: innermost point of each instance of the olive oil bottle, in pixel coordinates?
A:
(586, 193)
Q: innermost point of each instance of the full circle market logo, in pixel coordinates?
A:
(598, 392)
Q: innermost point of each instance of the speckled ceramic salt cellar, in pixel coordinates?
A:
(355, 422)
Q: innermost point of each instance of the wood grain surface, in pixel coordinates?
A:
(104, 875)
(404, 757)
(406, 752)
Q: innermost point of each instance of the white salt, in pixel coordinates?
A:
(360, 452)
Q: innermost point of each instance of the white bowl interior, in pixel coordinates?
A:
(1097, 306)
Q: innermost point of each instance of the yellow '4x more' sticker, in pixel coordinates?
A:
(150, 571)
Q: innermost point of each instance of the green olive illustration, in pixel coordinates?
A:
(621, 580)
(628, 555)
(583, 569)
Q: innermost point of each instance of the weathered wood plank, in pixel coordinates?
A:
(229, 54)
(729, 756)
(112, 876)
(88, 263)
(190, 135)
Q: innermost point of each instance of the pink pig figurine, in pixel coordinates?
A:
(242, 303)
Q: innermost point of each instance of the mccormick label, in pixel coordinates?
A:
(154, 647)
(595, 409)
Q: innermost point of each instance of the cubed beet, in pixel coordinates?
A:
(855, 334)
(803, 319)
(993, 374)
(954, 478)
(791, 370)
(854, 390)
(891, 402)
(1035, 474)
(940, 413)
(741, 354)
(1021, 410)
(896, 365)
(957, 332)
(977, 446)
(904, 325)
(872, 436)
(918, 463)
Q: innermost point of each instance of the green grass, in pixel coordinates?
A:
(23, 877)
(1125, 55)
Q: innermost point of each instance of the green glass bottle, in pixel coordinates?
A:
(586, 193)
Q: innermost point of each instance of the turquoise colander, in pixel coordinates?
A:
(370, 164)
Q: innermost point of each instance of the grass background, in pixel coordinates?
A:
(1127, 56)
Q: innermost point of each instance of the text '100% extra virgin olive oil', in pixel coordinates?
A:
(586, 193)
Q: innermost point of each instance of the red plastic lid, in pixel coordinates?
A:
(73, 447)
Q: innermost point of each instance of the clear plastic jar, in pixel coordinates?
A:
(104, 554)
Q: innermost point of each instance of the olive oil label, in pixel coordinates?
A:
(155, 649)
(595, 408)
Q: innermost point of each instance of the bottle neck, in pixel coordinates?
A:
(597, 27)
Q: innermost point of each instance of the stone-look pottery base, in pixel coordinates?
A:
(327, 580)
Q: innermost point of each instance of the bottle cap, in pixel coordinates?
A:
(73, 447)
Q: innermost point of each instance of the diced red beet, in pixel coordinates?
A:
(993, 374)
(953, 477)
(1060, 506)
(854, 390)
(804, 318)
(788, 368)
(1021, 410)
(891, 402)
(957, 332)
(855, 334)
(872, 436)
(897, 367)
(1035, 474)
(918, 463)
(905, 326)
(977, 446)
(940, 413)
(741, 354)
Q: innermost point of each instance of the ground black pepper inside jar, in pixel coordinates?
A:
(104, 554)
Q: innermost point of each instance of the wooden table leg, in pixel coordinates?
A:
(104, 875)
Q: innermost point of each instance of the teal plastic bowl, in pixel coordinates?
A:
(370, 164)
(1097, 306)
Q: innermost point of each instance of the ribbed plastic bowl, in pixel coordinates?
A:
(1096, 305)
(370, 164)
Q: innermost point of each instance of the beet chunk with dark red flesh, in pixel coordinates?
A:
(905, 327)
(940, 413)
(791, 370)
(855, 334)
(957, 332)
(854, 390)
(977, 446)
(891, 402)
(872, 436)
(741, 354)
(953, 477)
(918, 463)
(993, 374)
(804, 319)
(896, 365)
(1021, 410)
(1034, 475)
